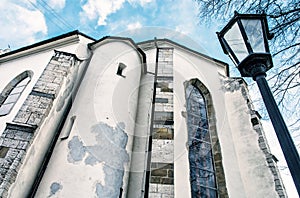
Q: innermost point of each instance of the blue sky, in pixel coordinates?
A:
(24, 22)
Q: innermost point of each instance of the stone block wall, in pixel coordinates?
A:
(13, 144)
(162, 159)
(18, 135)
(162, 173)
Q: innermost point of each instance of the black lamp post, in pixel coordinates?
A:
(245, 40)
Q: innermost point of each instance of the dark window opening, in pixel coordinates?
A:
(120, 70)
(254, 121)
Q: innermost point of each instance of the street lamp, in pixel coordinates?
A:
(245, 40)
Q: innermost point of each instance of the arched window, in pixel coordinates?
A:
(11, 93)
(202, 171)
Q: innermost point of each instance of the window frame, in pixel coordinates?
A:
(12, 92)
(197, 126)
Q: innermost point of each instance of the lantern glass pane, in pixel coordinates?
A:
(235, 41)
(254, 33)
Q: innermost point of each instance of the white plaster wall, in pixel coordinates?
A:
(186, 67)
(81, 51)
(141, 137)
(104, 102)
(151, 60)
(35, 62)
(256, 176)
(216, 67)
(245, 168)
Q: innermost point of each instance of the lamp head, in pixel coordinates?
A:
(245, 40)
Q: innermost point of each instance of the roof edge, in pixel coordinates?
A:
(142, 53)
(188, 49)
(22, 50)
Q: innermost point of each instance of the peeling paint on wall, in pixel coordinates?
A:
(111, 143)
(54, 188)
(76, 150)
(113, 183)
(91, 160)
(109, 150)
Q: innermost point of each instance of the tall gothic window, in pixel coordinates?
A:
(202, 173)
(13, 90)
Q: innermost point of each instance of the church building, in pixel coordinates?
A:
(112, 118)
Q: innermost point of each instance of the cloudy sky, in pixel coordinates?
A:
(24, 22)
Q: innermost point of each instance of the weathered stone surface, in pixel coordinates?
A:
(153, 187)
(155, 195)
(162, 173)
(3, 192)
(155, 180)
(22, 117)
(18, 135)
(11, 143)
(163, 151)
(163, 133)
(166, 189)
(35, 118)
(159, 172)
(161, 190)
(22, 145)
(12, 153)
(167, 196)
(22, 136)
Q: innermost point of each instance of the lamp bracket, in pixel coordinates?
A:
(255, 64)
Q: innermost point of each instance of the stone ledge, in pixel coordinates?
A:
(42, 94)
(22, 127)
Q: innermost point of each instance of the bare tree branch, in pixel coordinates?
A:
(284, 22)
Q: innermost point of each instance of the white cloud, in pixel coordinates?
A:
(133, 26)
(57, 4)
(20, 24)
(100, 9)
(184, 17)
(141, 2)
